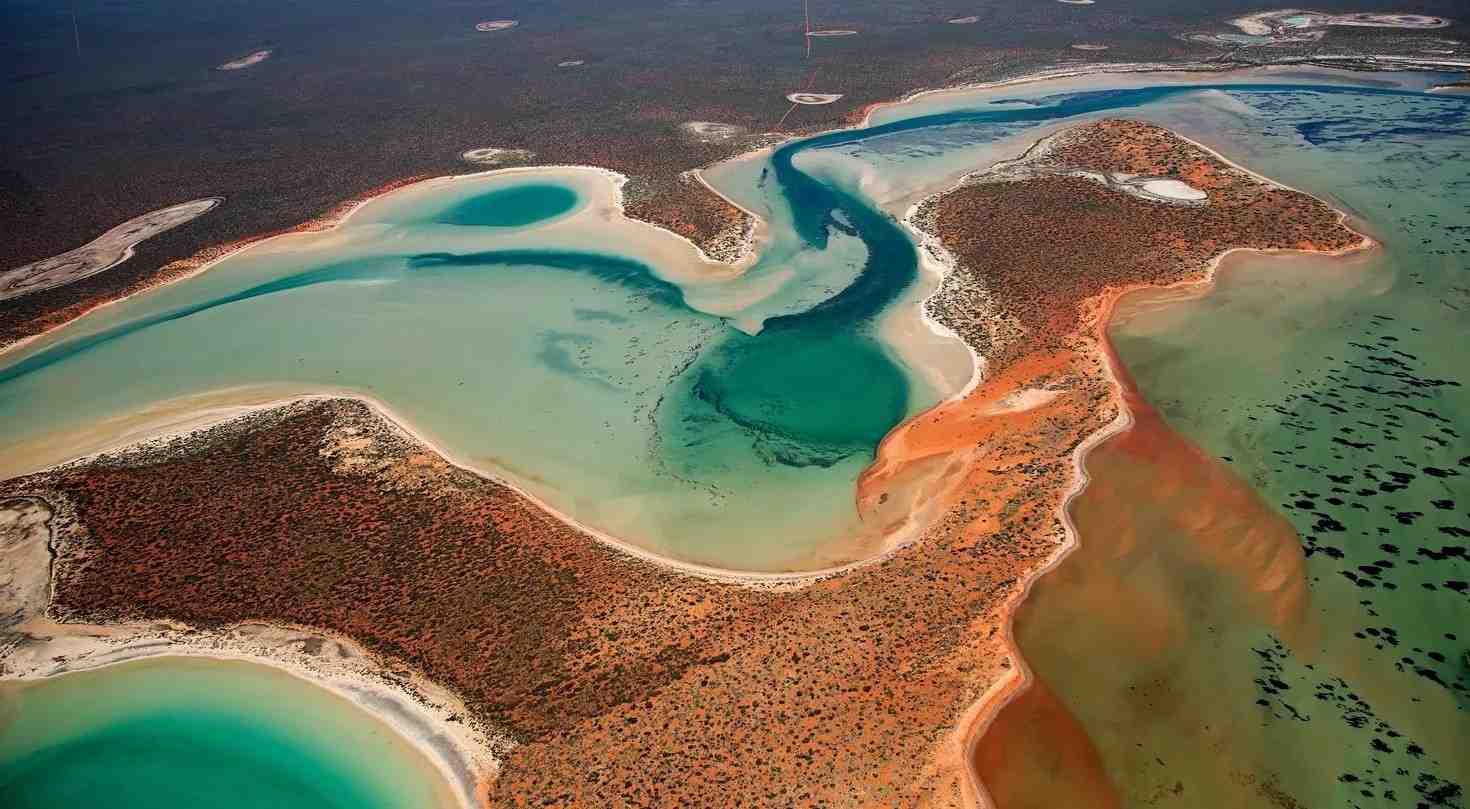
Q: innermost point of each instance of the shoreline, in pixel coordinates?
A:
(202, 419)
(338, 215)
(424, 716)
(978, 717)
(210, 256)
(462, 752)
(976, 721)
(890, 543)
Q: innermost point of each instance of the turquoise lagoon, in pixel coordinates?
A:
(713, 417)
(183, 731)
(722, 417)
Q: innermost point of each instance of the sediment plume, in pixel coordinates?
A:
(1036, 309)
(1167, 535)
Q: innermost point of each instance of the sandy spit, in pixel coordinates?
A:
(975, 721)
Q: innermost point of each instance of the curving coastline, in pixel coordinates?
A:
(30, 330)
(39, 531)
(1064, 155)
(996, 394)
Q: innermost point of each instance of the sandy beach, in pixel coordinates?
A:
(923, 467)
(102, 253)
(39, 647)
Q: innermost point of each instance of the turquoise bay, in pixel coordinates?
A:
(179, 731)
(722, 418)
(514, 319)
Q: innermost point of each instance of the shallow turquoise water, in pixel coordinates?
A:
(199, 732)
(722, 422)
(657, 408)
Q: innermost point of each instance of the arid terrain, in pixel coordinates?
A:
(621, 682)
(353, 98)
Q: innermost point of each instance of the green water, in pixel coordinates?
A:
(725, 420)
(1337, 390)
(584, 376)
(514, 321)
(183, 731)
(516, 206)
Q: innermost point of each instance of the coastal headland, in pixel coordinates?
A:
(616, 680)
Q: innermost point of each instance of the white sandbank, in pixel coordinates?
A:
(711, 131)
(246, 61)
(1271, 22)
(102, 253)
(1174, 189)
(1022, 400)
(495, 155)
(813, 99)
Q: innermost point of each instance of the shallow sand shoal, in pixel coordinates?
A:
(102, 253)
(246, 61)
(1078, 361)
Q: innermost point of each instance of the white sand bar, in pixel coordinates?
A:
(495, 156)
(1270, 22)
(711, 131)
(102, 253)
(812, 98)
(246, 61)
(1174, 189)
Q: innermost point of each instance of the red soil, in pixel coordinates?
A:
(622, 682)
